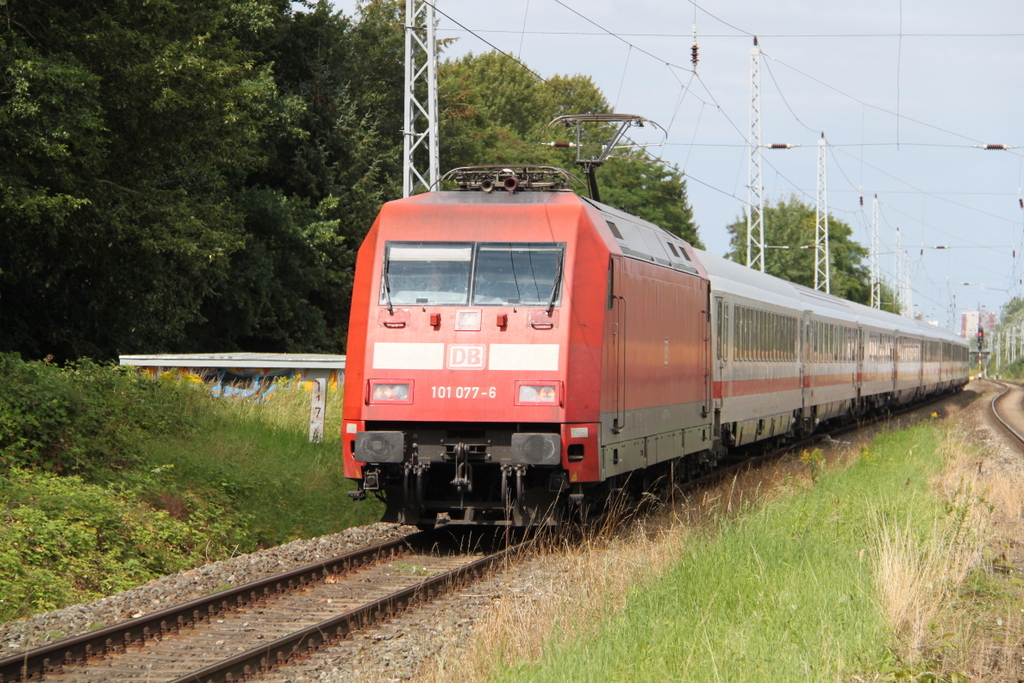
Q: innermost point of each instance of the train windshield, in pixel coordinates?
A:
(485, 273)
(427, 273)
(512, 274)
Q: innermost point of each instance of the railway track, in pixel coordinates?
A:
(245, 631)
(1008, 409)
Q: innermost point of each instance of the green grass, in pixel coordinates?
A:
(259, 456)
(108, 479)
(782, 592)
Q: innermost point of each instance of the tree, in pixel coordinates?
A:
(791, 224)
(126, 123)
(330, 165)
(1012, 311)
(188, 175)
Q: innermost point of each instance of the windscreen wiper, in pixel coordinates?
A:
(387, 287)
(554, 285)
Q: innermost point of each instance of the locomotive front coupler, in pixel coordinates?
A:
(508, 496)
(463, 480)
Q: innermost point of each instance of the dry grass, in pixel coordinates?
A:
(927, 573)
(951, 597)
(529, 614)
(574, 584)
(987, 618)
(917, 577)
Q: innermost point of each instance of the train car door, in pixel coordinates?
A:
(804, 345)
(723, 372)
(709, 351)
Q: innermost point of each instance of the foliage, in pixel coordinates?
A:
(108, 479)
(792, 223)
(1006, 350)
(63, 540)
(1012, 310)
(329, 167)
(83, 418)
(121, 222)
(186, 175)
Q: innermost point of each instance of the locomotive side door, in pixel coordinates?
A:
(617, 305)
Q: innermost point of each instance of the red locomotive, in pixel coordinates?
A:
(516, 350)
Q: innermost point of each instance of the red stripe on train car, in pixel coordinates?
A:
(752, 387)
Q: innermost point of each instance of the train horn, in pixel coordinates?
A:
(511, 183)
(486, 185)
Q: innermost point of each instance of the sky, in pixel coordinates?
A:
(905, 91)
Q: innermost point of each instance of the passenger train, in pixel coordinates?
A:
(518, 353)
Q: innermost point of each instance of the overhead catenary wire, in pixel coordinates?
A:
(647, 34)
(707, 98)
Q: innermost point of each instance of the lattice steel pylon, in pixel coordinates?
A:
(822, 256)
(420, 159)
(876, 283)
(755, 184)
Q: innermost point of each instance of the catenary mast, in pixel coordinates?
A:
(420, 159)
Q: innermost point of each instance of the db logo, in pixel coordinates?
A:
(466, 356)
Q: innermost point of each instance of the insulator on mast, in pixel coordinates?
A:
(694, 49)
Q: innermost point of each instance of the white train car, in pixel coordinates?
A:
(787, 358)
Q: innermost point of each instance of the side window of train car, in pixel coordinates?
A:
(737, 333)
(742, 328)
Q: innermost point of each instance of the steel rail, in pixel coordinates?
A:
(38, 662)
(308, 640)
(995, 412)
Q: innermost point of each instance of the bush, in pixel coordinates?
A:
(64, 540)
(108, 479)
(84, 417)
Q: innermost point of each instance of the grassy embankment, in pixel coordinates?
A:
(857, 564)
(108, 480)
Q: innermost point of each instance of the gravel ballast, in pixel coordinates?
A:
(404, 647)
(17, 636)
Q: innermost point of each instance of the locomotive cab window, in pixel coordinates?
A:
(509, 274)
(486, 273)
(426, 273)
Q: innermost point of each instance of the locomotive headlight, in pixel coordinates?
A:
(536, 393)
(468, 319)
(390, 392)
